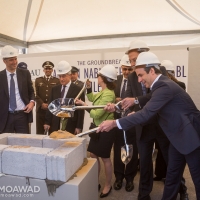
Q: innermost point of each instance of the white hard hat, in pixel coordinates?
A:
(63, 67)
(125, 61)
(147, 58)
(109, 72)
(168, 65)
(9, 52)
(138, 45)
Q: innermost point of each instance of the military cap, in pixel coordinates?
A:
(74, 69)
(22, 65)
(48, 64)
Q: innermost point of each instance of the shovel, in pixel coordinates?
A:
(154, 153)
(126, 152)
(66, 107)
(46, 131)
(87, 132)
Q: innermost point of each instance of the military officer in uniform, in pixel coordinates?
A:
(43, 86)
(74, 77)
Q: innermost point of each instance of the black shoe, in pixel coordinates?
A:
(99, 186)
(157, 178)
(117, 184)
(102, 195)
(184, 196)
(129, 186)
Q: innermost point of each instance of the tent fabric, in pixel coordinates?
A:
(38, 20)
(171, 41)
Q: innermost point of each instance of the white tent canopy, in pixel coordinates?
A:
(33, 22)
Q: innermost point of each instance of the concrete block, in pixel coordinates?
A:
(26, 140)
(64, 161)
(82, 187)
(55, 143)
(2, 147)
(4, 138)
(25, 161)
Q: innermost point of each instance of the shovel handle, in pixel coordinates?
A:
(87, 107)
(82, 90)
(87, 132)
(46, 131)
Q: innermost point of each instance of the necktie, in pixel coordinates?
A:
(63, 91)
(13, 103)
(63, 120)
(144, 91)
(47, 79)
(123, 92)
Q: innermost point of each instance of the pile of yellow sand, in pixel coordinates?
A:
(61, 135)
(62, 114)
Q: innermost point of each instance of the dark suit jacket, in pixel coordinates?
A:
(117, 91)
(181, 84)
(25, 89)
(78, 118)
(178, 116)
(118, 83)
(134, 89)
(79, 83)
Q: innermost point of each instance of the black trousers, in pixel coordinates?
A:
(175, 169)
(40, 121)
(145, 143)
(119, 168)
(160, 163)
(17, 123)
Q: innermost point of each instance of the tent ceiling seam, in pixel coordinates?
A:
(184, 13)
(116, 36)
(38, 16)
(26, 19)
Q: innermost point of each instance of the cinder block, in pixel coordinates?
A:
(4, 138)
(2, 147)
(55, 143)
(64, 161)
(25, 161)
(26, 140)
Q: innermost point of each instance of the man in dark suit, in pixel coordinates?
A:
(147, 133)
(17, 95)
(119, 167)
(178, 117)
(74, 77)
(43, 86)
(168, 68)
(66, 90)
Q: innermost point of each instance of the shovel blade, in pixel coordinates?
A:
(126, 153)
(56, 107)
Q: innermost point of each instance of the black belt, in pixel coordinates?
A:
(15, 112)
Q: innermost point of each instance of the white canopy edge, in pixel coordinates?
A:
(163, 40)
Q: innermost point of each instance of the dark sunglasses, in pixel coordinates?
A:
(129, 69)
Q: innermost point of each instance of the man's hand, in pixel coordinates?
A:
(77, 131)
(46, 126)
(127, 102)
(118, 99)
(44, 106)
(107, 125)
(29, 107)
(131, 113)
(110, 107)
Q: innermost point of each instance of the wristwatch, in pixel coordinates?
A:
(136, 101)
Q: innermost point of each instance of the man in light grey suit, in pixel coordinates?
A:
(178, 117)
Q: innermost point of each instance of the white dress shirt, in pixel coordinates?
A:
(66, 88)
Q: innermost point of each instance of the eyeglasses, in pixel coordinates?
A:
(129, 69)
(48, 68)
